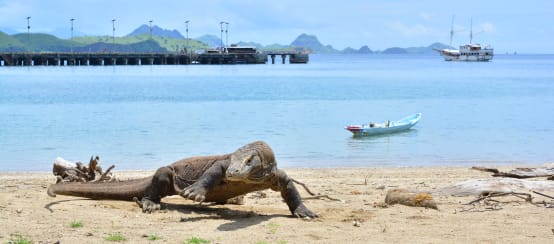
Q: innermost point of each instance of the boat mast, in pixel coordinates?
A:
(471, 30)
(452, 29)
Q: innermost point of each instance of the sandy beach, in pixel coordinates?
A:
(27, 211)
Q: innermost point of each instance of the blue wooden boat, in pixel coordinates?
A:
(386, 127)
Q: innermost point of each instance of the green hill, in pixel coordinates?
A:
(38, 42)
(168, 43)
(156, 31)
(144, 46)
(362, 50)
(210, 40)
(416, 50)
(9, 43)
(311, 42)
(395, 50)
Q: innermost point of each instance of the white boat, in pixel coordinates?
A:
(386, 127)
(469, 52)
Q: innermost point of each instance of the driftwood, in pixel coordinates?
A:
(520, 173)
(413, 199)
(486, 202)
(478, 187)
(487, 189)
(487, 197)
(313, 195)
(513, 183)
(66, 171)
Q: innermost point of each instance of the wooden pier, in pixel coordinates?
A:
(117, 58)
(294, 57)
(71, 59)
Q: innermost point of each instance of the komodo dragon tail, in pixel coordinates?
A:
(122, 190)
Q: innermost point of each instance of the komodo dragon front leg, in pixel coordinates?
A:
(285, 185)
(212, 177)
(162, 185)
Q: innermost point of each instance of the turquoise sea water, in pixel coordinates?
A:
(144, 117)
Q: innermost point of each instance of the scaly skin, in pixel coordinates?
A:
(202, 179)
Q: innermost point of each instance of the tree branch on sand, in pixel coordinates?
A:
(314, 196)
(66, 171)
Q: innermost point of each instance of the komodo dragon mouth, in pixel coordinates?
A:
(253, 163)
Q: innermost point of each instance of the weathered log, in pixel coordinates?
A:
(413, 199)
(520, 173)
(478, 187)
(485, 169)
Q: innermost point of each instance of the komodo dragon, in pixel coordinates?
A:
(202, 179)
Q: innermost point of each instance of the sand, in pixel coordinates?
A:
(27, 211)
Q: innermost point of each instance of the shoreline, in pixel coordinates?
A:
(26, 210)
(444, 164)
(465, 165)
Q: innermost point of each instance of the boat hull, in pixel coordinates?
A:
(401, 125)
(467, 58)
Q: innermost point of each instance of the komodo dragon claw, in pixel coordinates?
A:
(194, 192)
(147, 205)
(303, 212)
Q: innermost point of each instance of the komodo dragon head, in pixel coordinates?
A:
(252, 163)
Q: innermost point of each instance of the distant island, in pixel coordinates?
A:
(164, 40)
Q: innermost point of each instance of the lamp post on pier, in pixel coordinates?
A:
(226, 33)
(187, 36)
(221, 36)
(150, 21)
(72, 19)
(28, 33)
(71, 28)
(113, 34)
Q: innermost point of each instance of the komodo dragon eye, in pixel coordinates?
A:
(248, 160)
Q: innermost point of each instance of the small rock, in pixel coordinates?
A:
(356, 223)
(19, 210)
(381, 187)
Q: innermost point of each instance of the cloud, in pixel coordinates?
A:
(425, 16)
(410, 30)
(487, 27)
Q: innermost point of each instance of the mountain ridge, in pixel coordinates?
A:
(156, 31)
(173, 40)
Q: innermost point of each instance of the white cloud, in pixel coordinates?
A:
(410, 30)
(487, 27)
(425, 16)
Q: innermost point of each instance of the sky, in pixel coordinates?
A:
(509, 26)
